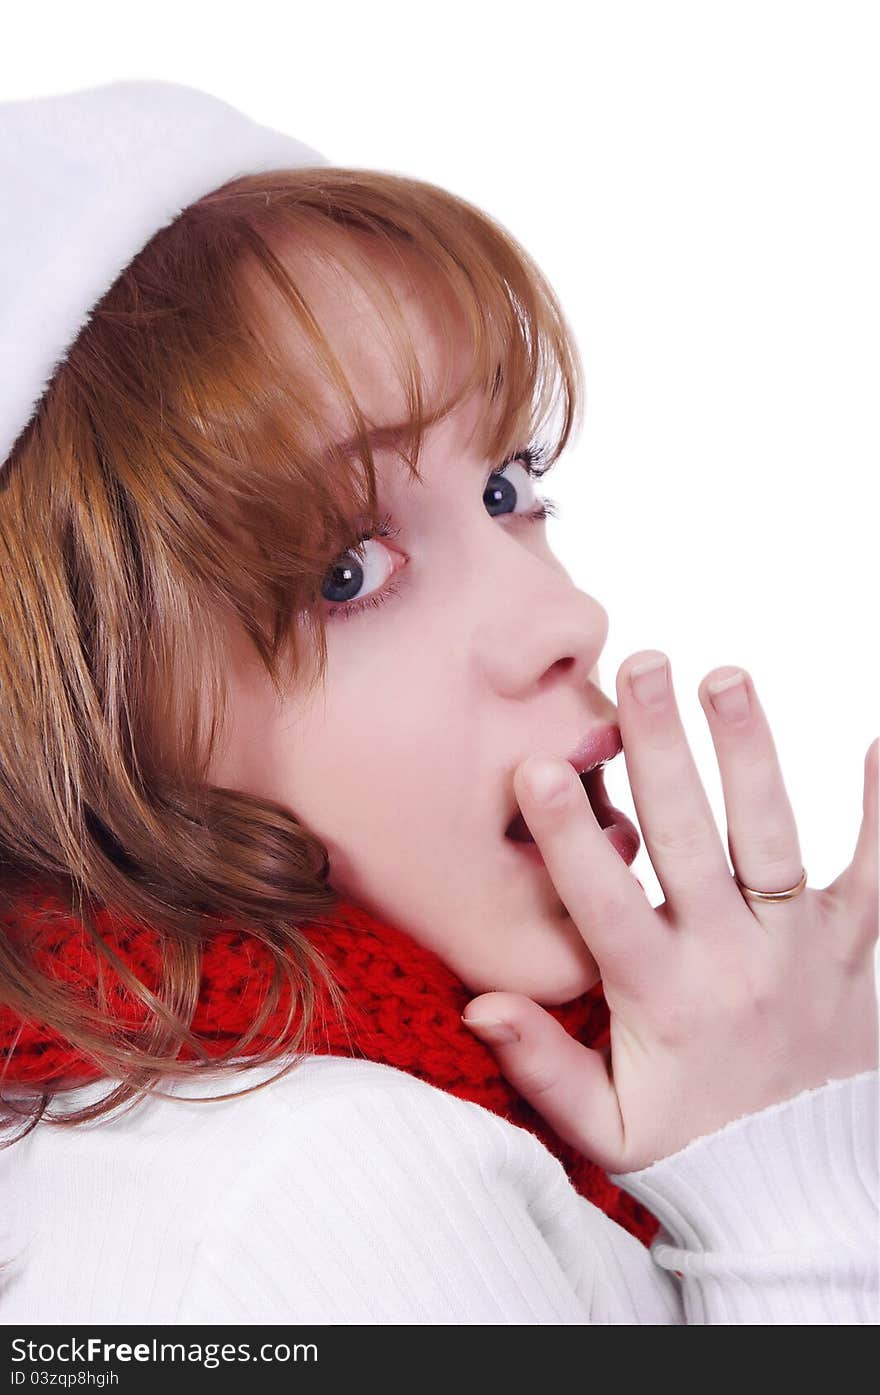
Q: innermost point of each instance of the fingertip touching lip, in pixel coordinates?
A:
(600, 745)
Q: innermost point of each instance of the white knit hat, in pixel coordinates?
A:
(86, 179)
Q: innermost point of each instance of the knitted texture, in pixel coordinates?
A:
(403, 1009)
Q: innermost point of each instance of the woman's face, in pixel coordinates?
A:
(403, 763)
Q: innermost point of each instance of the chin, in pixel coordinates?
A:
(550, 981)
(554, 995)
(566, 975)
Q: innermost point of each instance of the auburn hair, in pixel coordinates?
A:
(178, 469)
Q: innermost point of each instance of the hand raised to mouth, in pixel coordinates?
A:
(720, 1005)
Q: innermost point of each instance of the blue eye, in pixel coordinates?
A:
(503, 487)
(357, 568)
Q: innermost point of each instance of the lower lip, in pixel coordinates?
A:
(621, 834)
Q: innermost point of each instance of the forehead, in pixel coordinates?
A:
(375, 305)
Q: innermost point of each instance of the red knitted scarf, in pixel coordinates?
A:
(404, 1009)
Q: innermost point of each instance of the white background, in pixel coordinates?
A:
(699, 181)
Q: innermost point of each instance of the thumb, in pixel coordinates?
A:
(567, 1083)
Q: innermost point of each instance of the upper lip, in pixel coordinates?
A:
(598, 746)
(601, 744)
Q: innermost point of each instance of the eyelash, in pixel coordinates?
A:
(531, 457)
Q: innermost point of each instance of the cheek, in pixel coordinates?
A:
(399, 736)
(374, 779)
(381, 850)
(409, 859)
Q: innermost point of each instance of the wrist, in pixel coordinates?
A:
(799, 1175)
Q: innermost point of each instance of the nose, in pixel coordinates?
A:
(537, 628)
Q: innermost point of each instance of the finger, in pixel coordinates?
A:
(567, 1083)
(761, 830)
(674, 812)
(592, 880)
(857, 886)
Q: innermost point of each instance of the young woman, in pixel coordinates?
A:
(300, 756)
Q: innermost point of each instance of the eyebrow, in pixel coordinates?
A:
(380, 438)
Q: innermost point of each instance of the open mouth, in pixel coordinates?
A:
(594, 784)
(621, 833)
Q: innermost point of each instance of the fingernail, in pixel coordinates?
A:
(729, 697)
(546, 778)
(492, 1029)
(650, 681)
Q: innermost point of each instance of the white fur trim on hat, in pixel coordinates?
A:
(86, 179)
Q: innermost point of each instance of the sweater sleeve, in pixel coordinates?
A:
(774, 1218)
(396, 1203)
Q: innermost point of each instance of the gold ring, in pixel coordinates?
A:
(772, 895)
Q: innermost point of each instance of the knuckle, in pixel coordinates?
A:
(741, 996)
(749, 997)
(678, 1022)
(687, 838)
(776, 846)
(758, 997)
(849, 957)
(851, 952)
(536, 1079)
(610, 915)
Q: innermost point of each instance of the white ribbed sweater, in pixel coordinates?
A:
(350, 1192)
